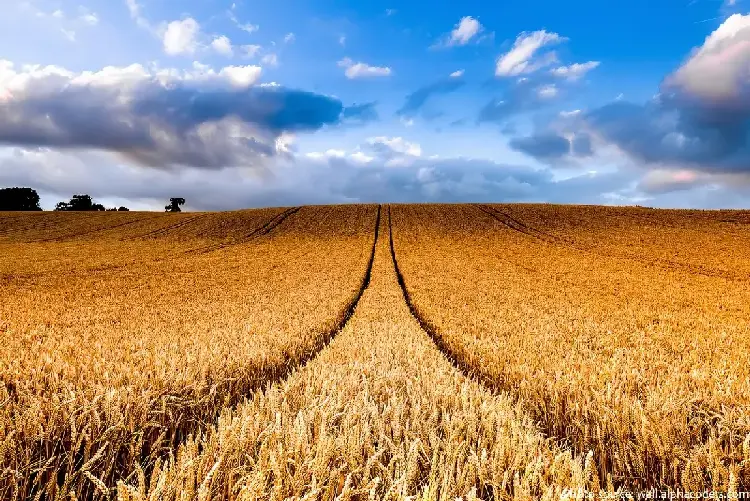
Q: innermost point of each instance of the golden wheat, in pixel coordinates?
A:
(379, 415)
(494, 352)
(101, 370)
(643, 362)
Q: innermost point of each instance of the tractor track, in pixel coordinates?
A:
(456, 359)
(278, 373)
(73, 236)
(260, 231)
(662, 264)
(168, 228)
(269, 375)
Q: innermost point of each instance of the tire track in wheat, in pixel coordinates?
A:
(458, 360)
(662, 264)
(276, 374)
(260, 231)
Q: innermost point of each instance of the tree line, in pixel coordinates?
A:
(27, 199)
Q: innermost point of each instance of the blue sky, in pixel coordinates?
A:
(249, 103)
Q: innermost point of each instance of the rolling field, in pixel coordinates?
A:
(368, 352)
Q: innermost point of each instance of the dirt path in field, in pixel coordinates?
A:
(378, 414)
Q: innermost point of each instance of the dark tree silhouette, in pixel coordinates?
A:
(19, 199)
(174, 205)
(79, 203)
(123, 209)
(115, 209)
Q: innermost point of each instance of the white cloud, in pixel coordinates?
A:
(87, 17)
(547, 91)
(65, 23)
(390, 12)
(362, 70)
(574, 71)
(289, 38)
(222, 45)
(720, 69)
(270, 60)
(250, 51)
(180, 37)
(342, 40)
(518, 60)
(570, 114)
(397, 145)
(69, 34)
(135, 13)
(464, 32)
(246, 27)
(457, 74)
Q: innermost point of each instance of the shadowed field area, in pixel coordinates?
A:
(374, 352)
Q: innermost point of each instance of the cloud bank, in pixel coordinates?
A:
(159, 118)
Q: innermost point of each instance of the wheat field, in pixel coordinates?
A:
(365, 352)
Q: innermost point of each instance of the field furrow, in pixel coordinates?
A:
(168, 345)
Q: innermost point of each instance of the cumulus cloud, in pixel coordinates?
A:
(201, 118)
(466, 30)
(694, 133)
(419, 98)
(222, 45)
(574, 71)
(362, 70)
(457, 74)
(700, 121)
(520, 58)
(725, 56)
(181, 37)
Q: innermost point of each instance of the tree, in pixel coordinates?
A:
(79, 203)
(19, 199)
(123, 209)
(174, 205)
